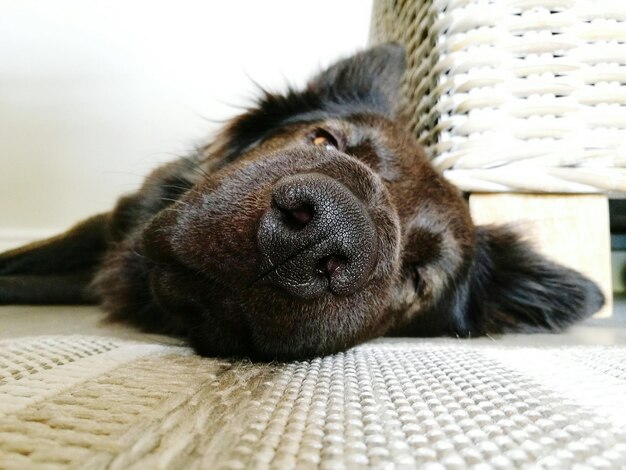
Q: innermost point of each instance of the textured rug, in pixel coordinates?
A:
(98, 402)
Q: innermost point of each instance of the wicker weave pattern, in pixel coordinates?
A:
(398, 403)
(521, 95)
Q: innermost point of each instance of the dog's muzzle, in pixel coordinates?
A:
(316, 238)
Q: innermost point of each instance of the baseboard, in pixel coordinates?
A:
(14, 237)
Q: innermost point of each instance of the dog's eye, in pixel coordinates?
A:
(323, 138)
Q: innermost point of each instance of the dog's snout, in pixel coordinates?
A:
(316, 237)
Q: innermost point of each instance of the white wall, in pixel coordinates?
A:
(93, 94)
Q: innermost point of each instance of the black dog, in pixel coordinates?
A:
(313, 222)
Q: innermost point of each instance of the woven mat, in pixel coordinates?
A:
(98, 402)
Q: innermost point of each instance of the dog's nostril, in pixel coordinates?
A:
(299, 217)
(329, 265)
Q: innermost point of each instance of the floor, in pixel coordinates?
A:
(16, 321)
(83, 393)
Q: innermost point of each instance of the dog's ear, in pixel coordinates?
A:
(367, 82)
(513, 288)
(56, 270)
(371, 80)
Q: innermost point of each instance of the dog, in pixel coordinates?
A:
(311, 223)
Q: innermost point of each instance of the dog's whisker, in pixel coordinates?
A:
(201, 170)
(179, 201)
(175, 186)
(135, 252)
(173, 209)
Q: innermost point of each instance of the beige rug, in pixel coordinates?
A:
(81, 401)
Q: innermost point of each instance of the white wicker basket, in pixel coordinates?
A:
(516, 95)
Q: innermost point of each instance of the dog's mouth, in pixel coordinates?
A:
(324, 277)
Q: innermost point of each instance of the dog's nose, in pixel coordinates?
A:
(316, 237)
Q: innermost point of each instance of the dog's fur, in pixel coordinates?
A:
(181, 255)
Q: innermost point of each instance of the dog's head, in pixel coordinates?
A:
(315, 222)
(311, 223)
(293, 240)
